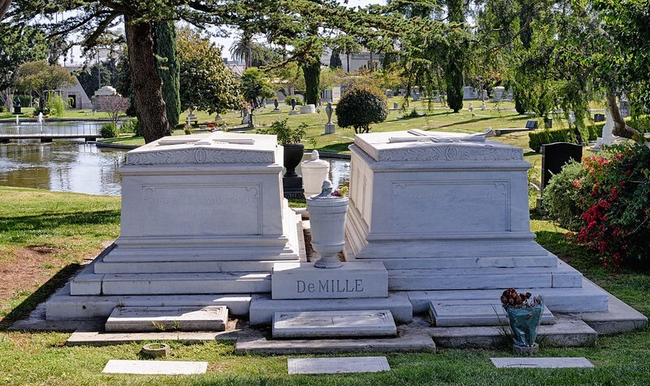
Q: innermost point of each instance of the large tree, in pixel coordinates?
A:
(206, 83)
(38, 78)
(17, 46)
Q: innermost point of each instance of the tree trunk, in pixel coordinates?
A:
(147, 85)
(4, 6)
(621, 129)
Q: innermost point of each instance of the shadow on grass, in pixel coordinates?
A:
(336, 147)
(19, 229)
(41, 294)
(467, 122)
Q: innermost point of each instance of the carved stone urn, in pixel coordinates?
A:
(327, 219)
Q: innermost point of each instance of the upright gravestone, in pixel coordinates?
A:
(555, 156)
(276, 104)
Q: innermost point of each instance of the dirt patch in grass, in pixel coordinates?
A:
(27, 269)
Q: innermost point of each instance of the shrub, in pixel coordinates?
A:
(284, 133)
(361, 106)
(542, 137)
(561, 196)
(132, 126)
(56, 105)
(595, 130)
(613, 195)
(108, 131)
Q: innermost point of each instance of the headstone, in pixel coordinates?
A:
(189, 203)
(483, 107)
(498, 93)
(276, 104)
(395, 106)
(599, 117)
(308, 109)
(625, 108)
(532, 124)
(154, 367)
(416, 97)
(330, 128)
(468, 92)
(555, 156)
(337, 365)
(542, 363)
(333, 324)
(389, 93)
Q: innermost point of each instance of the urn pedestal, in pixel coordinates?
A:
(327, 219)
(292, 181)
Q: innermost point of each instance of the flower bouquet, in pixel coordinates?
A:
(524, 315)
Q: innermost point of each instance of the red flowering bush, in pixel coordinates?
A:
(612, 197)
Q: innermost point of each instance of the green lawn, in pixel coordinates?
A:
(75, 225)
(69, 228)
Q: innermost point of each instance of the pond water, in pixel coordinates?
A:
(75, 166)
(68, 166)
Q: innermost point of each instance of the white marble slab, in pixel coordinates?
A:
(352, 280)
(542, 363)
(137, 319)
(333, 324)
(337, 365)
(155, 367)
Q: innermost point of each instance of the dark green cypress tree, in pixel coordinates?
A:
(335, 60)
(455, 59)
(169, 70)
(312, 82)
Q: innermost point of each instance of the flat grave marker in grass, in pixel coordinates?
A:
(155, 367)
(337, 365)
(542, 363)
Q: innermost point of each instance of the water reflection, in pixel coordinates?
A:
(61, 166)
(81, 127)
(75, 166)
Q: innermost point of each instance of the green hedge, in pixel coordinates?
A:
(538, 138)
(541, 137)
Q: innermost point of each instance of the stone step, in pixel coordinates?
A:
(262, 307)
(151, 319)
(62, 306)
(562, 276)
(568, 331)
(588, 298)
(519, 262)
(175, 284)
(333, 324)
(188, 266)
(473, 313)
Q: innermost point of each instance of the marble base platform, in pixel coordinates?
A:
(333, 324)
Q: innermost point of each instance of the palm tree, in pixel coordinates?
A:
(245, 48)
